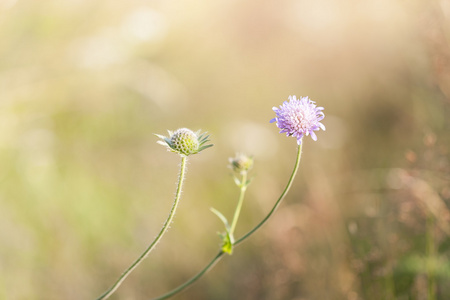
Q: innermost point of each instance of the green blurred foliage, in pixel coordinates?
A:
(84, 187)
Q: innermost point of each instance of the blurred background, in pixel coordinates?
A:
(84, 187)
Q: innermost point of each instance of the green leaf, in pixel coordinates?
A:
(227, 245)
(221, 217)
(237, 181)
(227, 239)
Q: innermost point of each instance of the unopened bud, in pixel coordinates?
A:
(241, 163)
(184, 141)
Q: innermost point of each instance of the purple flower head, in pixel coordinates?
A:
(299, 117)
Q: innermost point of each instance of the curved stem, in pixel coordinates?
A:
(239, 205)
(283, 194)
(219, 255)
(169, 219)
(193, 279)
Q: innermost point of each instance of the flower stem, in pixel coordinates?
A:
(243, 187)
(193, 279)
(219, 255)
(169, 219)
(283, 194)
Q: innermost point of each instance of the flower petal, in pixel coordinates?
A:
(322, 126)
(298, 117)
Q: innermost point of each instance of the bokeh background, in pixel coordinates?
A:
(84, 187)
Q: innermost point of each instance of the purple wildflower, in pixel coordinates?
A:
(299, 117)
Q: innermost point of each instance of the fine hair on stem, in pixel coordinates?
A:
(152, 245)
(219, 255)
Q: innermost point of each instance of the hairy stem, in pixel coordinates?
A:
(169, 219)
(219, 255)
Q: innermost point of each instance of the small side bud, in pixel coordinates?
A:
(241, 163)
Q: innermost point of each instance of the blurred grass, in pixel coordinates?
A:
(84, 187)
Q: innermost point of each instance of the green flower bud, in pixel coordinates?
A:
(184, 141)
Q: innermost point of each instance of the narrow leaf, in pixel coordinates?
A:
(221, 217)
(237, 181)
